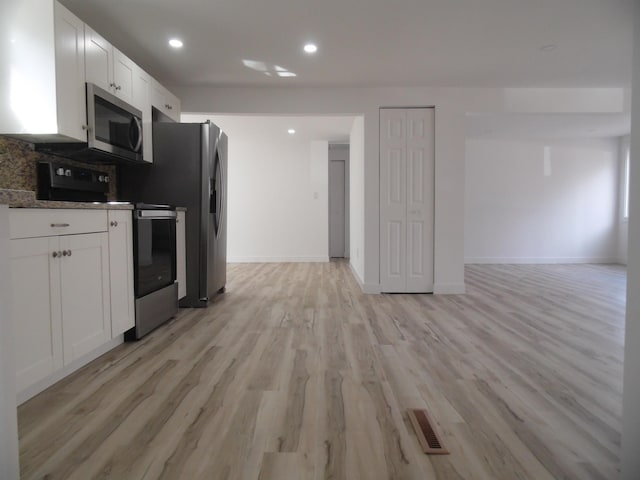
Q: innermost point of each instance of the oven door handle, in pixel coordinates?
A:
(155, 214)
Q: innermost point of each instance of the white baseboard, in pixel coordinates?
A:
(449, 288)
(33, 390)
(537, 260)
(367, 288)
(311, 259)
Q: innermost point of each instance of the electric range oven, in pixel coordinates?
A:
(154, 254)
(154, 240)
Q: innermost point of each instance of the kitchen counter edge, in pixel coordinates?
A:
(27, 199)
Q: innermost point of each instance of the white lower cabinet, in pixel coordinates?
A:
(72, 292)
(181, 254)
(84, 289)
(60, 302)
(121, 271)
(36, 309)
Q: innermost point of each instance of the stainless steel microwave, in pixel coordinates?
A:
(114, 132)
(114, 126)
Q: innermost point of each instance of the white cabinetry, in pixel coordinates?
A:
(165, 101)
(46, 81)
(142, 101)
(121, 271)
(107, 67)
(60, 289)
(84, 293)
(70, 74)
(181, 254)
(36, 309)
(52, 54)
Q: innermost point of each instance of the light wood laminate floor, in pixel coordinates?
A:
(295, 374)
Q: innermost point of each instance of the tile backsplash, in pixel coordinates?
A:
(18, 163)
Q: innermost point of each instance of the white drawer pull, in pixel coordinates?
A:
(59, 225)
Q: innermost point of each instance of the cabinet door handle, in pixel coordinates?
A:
(66, 253)
(59, 225)
(168, 107)
(55, 254)
(114, 223)
(119, 87)
(112, 84)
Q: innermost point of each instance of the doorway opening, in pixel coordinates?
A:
(338, 200)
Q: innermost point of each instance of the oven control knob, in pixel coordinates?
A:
(106, 179)
(67, 173)
(60, 172)
(101, 178)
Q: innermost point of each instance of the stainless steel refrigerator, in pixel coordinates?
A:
(189, 170)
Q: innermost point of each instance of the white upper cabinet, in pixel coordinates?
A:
(98, 60)
(142, 101)
(165, 101)
(107, 67)
(42, 92)
(123, 75)
(70, 74)
(50, 57)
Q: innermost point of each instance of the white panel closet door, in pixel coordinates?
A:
(406, 199)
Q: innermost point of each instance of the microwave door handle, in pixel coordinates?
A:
(135, 123)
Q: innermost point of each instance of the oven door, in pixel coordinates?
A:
(115, 127)
(154, 242)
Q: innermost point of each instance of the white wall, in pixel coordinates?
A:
(518, 211)
(8, 420)
(356, 198)
(451, 104)
(278, 191)
(631, 394)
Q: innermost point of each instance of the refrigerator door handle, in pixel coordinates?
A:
(223, 194)
(212, 196)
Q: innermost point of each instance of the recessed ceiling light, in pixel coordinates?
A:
(310, 48)
(175, 43)
(548, 48)
(286, 74)
(291, 131)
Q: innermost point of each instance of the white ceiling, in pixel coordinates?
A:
(480, 43)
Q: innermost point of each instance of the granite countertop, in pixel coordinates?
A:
(27, 199)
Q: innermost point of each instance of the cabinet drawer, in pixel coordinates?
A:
(36, 222)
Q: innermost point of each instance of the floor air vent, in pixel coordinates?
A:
(427, 435)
